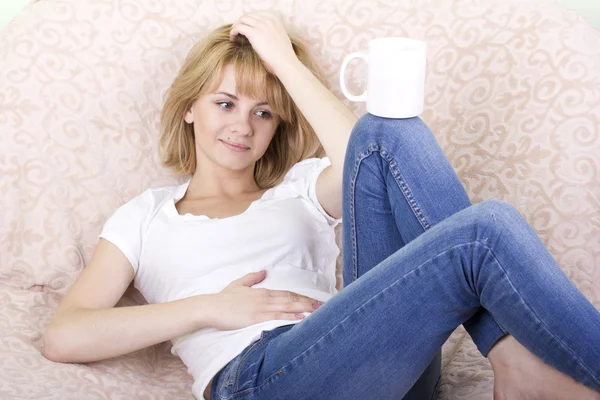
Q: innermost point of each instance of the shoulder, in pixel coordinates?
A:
(307, 168)
(158, 194)
(302, 178)
(144, 203)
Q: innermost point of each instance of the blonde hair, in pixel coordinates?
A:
(201, 72)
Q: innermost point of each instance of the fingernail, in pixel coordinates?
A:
(315, 306)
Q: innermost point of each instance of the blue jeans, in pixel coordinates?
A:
(418, 261)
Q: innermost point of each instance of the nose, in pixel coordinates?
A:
(241, 124)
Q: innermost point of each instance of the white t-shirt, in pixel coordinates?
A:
(286, 231)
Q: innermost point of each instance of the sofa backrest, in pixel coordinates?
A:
(512, 93)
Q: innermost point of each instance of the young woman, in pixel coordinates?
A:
(235, 261)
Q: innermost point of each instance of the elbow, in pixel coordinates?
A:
(53, 346)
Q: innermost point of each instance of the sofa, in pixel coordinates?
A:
(512, 94)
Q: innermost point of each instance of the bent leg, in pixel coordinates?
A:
(374, 338)
(398, 183)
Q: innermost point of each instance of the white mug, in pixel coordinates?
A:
(396, 77)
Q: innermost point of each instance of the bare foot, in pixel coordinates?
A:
(521, 375)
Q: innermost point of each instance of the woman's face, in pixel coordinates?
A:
(226, 116)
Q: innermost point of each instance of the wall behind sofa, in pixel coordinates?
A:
(590, 9)
(10, 8)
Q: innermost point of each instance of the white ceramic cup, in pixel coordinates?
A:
(396, 77)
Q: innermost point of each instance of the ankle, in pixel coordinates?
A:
(501, 355)
(516, 369)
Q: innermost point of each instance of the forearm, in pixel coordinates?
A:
(328, 115)
(87, 335)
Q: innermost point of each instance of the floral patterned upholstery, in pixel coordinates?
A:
(513, 95)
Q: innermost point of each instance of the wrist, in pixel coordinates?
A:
(288, 68)
(200, 310)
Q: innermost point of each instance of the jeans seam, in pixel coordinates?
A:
(497, 322)
(405, 188)
(226, 378)
(538, 320)
(357, 162)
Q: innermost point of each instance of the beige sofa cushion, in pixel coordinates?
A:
(512, 94)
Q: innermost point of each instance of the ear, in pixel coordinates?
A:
(189, 115)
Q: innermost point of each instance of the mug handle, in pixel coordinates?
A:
(360, 97)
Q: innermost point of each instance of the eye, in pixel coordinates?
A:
(226, 105)
(266, 115)
(224, 102)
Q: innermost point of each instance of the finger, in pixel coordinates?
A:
(242, 25)
(287, 294)
(284, 294)
(267, 14)
(248, 23)
(278, 293)
(275, 17)
(251, 18)
(246, 20)
(239, 29)
(302, 301)
(284, 316)
(255, 21)
(279, 305)
(258, 19)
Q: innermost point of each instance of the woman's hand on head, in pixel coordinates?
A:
(267, 35)
(239, 305)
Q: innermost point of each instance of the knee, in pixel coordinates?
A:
(498, 216)
(364, 127)
(498, 208)
(370, 127)
(372, 123)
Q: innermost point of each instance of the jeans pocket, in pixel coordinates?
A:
(227, 373)
(244, 376)
(241, 374)
(232, 369)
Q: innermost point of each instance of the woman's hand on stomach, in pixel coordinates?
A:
(239, 305)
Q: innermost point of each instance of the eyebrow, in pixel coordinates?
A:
(235, 98)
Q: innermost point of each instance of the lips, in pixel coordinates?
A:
(236, 145)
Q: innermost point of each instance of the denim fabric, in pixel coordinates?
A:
(419, 260)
